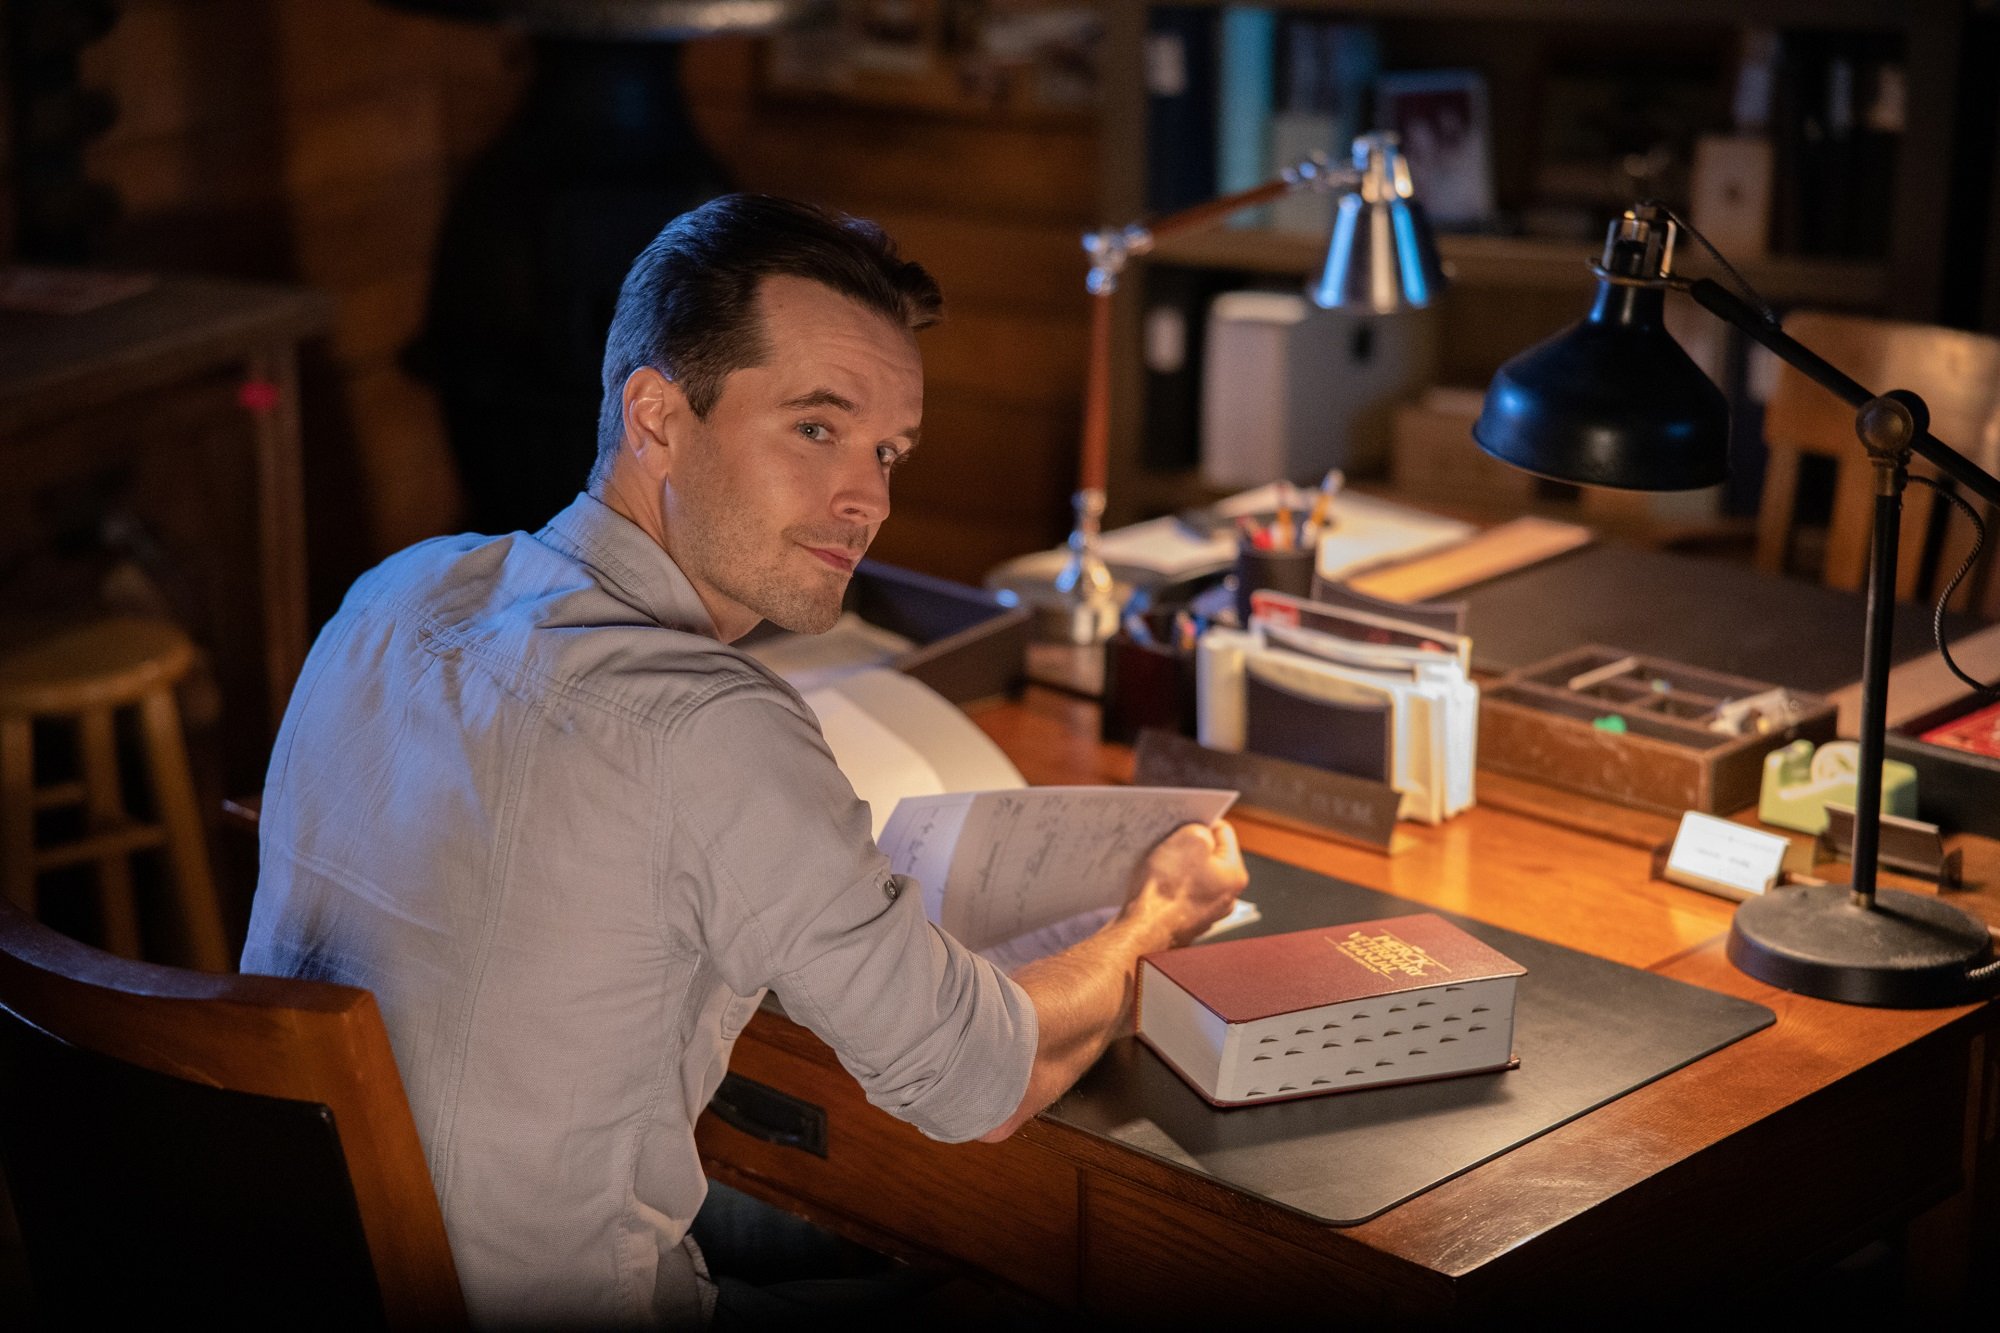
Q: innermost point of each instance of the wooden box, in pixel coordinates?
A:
(1635, 730)
(970, 643)
(1958, 790)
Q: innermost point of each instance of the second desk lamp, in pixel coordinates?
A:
(1614, 401)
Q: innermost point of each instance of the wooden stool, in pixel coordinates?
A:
(86, 674)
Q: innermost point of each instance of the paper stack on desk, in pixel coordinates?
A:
(1401, 1000)
(1365, 695)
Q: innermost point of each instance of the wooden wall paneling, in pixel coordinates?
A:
(1001, 171)
(996, 264)
(313, 141)
(380, 315)
(378, 134)
(351, 235)
(994, 205)
(399, 448)
(1027, 359)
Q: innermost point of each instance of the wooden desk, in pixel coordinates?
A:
(1776, 1154)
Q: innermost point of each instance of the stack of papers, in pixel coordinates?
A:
(1364, 532)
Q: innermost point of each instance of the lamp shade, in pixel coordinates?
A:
(1382, 257)
(1612, 400)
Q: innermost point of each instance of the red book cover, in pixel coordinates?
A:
(1242, 981)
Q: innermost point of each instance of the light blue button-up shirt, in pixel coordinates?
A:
(568, 839)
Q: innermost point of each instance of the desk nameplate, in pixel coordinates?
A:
(1349, 807)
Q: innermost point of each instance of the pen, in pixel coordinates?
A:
(1281, 526)
(1329, 486)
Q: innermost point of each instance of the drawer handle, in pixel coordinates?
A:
(765, 1113)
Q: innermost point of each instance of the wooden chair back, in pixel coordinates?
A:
(232, 1149)
(1958, 376)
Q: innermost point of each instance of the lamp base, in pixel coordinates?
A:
(1082, 608)
(1907, 951)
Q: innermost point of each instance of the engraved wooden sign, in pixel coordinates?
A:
(1350, 807)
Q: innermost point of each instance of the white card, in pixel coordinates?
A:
(1723, 857)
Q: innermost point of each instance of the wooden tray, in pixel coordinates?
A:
(1543, 722)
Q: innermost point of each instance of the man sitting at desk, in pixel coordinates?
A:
(527, 794)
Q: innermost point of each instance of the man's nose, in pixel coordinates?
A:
(863, 496)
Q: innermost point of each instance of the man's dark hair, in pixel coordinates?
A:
(688, 307)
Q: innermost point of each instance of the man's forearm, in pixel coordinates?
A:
(1082, 996)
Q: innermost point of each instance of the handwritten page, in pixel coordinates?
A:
(995, 865)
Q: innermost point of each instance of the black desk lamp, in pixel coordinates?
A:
(1614, 401)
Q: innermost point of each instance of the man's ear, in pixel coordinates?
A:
(657, 418)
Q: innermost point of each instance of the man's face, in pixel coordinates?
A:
(788, 478)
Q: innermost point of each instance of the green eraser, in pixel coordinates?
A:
(1610, 722)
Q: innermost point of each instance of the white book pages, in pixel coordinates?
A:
(1368, 532)
(1021, 861)
(894, 736)
(813, 661)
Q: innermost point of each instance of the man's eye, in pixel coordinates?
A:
(812, 430)
(888, 455)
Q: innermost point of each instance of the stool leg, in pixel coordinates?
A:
(104, 806)
(17, 812)
(187, 853)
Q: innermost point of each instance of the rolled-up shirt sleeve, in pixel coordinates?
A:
(774, 848)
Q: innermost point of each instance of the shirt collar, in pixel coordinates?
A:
(635, 565)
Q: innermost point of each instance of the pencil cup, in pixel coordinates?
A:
(1279, 571)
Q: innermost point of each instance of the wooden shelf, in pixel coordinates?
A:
(1535, 263)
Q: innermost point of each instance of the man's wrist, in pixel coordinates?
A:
(1149, 922)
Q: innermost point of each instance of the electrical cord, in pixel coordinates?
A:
(1965, 567)
(1978, 525)
(1749, 292)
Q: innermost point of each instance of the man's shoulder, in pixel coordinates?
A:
(546, 621)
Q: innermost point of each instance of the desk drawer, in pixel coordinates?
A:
(1008, 1208)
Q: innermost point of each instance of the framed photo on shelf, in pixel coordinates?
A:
(1442, 118)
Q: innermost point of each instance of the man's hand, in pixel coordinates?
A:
(1083, 995)
(1188, 882)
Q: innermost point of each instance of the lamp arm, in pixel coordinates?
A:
(1732, 309)
(1111, 247)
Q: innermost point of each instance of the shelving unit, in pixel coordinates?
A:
(1509, 291)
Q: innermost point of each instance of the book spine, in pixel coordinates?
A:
(1244, 101)
(1180, 66)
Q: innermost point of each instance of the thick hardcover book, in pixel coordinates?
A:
(1402, 1000)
